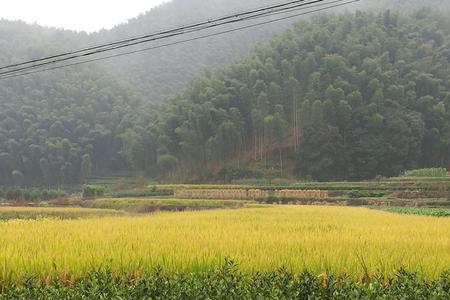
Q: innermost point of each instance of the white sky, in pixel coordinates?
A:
(87, 15)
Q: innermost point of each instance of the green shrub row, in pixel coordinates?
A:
(286, 201)
(438, 203)
(423, 211)
(358, 186)
(30, 194)
(228, 283)
(143, 193)
(229, 174)
(143, 205)
(365, 194)
(430, 172)
(93, 191)
(35, 214)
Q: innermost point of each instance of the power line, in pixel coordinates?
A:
(179, 42)
(261, 13)
(148, 35)
(133, 39)
(340, 3)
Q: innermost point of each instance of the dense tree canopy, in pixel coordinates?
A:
(160, 73)
(339, 96)
(353, 96)
(60, 127)
(164, 72)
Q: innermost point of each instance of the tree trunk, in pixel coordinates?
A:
(261, 145)
(281, 163)
(256, 147)
(294, 121)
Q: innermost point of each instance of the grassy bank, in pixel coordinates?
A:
(146, 205)
(34, 213)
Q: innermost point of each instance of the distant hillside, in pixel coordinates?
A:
(58, 127)
(161, 73)
(165, 72)
(348, 96)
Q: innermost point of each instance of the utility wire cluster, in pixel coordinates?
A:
(278, 12)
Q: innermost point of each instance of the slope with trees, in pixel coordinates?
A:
(340, 96)
(348, 96)
(164, 72)
(59, 127)
(161, 73)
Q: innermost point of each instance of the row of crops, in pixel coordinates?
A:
(427, 173)
(437, 188)
(140, 205)
(394, 184)
(117, 207)
(133, 207)
(423, 211)
(227, 282)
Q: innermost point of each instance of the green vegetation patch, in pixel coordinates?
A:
(424, 211)
(93, 191)
(430, 172)
(143, 193)
(30, 194)
(228, 282)
(420, 185)
(139, 205)
(33, 213)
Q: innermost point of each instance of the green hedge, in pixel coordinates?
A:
(423, 211)
(430, 172)
(93, 191)
(30, 194)
(143, 193)
(232, 173)
(366, 194)
(228, 282)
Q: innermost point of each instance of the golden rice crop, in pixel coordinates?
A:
(321, 239)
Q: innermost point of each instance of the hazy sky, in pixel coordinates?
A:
(88, 15)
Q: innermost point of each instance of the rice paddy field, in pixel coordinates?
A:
(351, 242)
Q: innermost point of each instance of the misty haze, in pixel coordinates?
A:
(225, 149)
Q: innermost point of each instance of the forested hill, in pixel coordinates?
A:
(160, 73)
(349, 96)
(57, 127)
(61, 126)
(164, 72)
